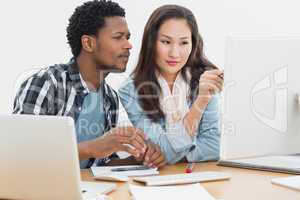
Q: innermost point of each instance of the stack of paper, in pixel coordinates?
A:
(178, 192)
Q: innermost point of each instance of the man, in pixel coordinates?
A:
(98, 36)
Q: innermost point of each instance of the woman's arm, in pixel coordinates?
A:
(208, 138)
(210, 83)
(173, 146)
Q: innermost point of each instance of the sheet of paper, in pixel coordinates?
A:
(178, 192)
(94, 189)
(292, 182)
(105, 170)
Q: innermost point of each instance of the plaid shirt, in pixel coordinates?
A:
(59, 90)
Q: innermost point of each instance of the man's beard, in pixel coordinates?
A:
(109, 68)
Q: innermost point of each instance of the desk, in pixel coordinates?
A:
(244, 184)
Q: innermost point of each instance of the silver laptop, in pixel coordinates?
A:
(39, 160)
(261, 104)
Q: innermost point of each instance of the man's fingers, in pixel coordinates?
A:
(129, 130)
(137, 145)
(140, 140)
(130, 150)
(141, 134)
(133, 134)
(132, 142)
(124, 131)
(140, 158)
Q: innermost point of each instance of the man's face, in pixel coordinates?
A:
(112, 45)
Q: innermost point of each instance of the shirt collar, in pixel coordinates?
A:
(78, 82)
(86, 88)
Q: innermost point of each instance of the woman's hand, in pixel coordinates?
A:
(210, 83)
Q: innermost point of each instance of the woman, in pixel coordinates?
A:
(171, 94)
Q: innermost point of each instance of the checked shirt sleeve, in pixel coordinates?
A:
(35, 95)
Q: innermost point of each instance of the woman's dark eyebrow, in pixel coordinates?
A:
(185, 37)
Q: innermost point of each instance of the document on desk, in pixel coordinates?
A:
(97, 171)
(178, 192)
(292, 182)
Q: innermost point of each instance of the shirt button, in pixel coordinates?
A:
(79, 108)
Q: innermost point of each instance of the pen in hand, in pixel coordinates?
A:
(221, 75)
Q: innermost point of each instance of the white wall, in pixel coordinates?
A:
(33, 32)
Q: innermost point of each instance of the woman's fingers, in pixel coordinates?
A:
(215, 71)
(212, 82)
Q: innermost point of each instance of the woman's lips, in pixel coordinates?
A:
(172, 63)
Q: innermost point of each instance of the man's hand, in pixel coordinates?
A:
(129, 139)
(154, 157)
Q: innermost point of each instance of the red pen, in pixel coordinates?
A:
(189, 168)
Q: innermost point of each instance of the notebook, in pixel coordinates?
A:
(97, 171)
(176, 179)
(178, 192)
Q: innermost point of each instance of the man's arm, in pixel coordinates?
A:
(35, 96)
(127, 139)
(84, 150)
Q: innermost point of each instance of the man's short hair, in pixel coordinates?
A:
(88, 19)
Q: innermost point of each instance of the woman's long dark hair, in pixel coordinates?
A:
(144, 77)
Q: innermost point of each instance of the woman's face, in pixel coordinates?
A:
(173, 46)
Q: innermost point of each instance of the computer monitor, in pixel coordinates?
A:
(39, 160)
(261, 109)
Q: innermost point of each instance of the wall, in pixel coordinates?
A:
(33, 32)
